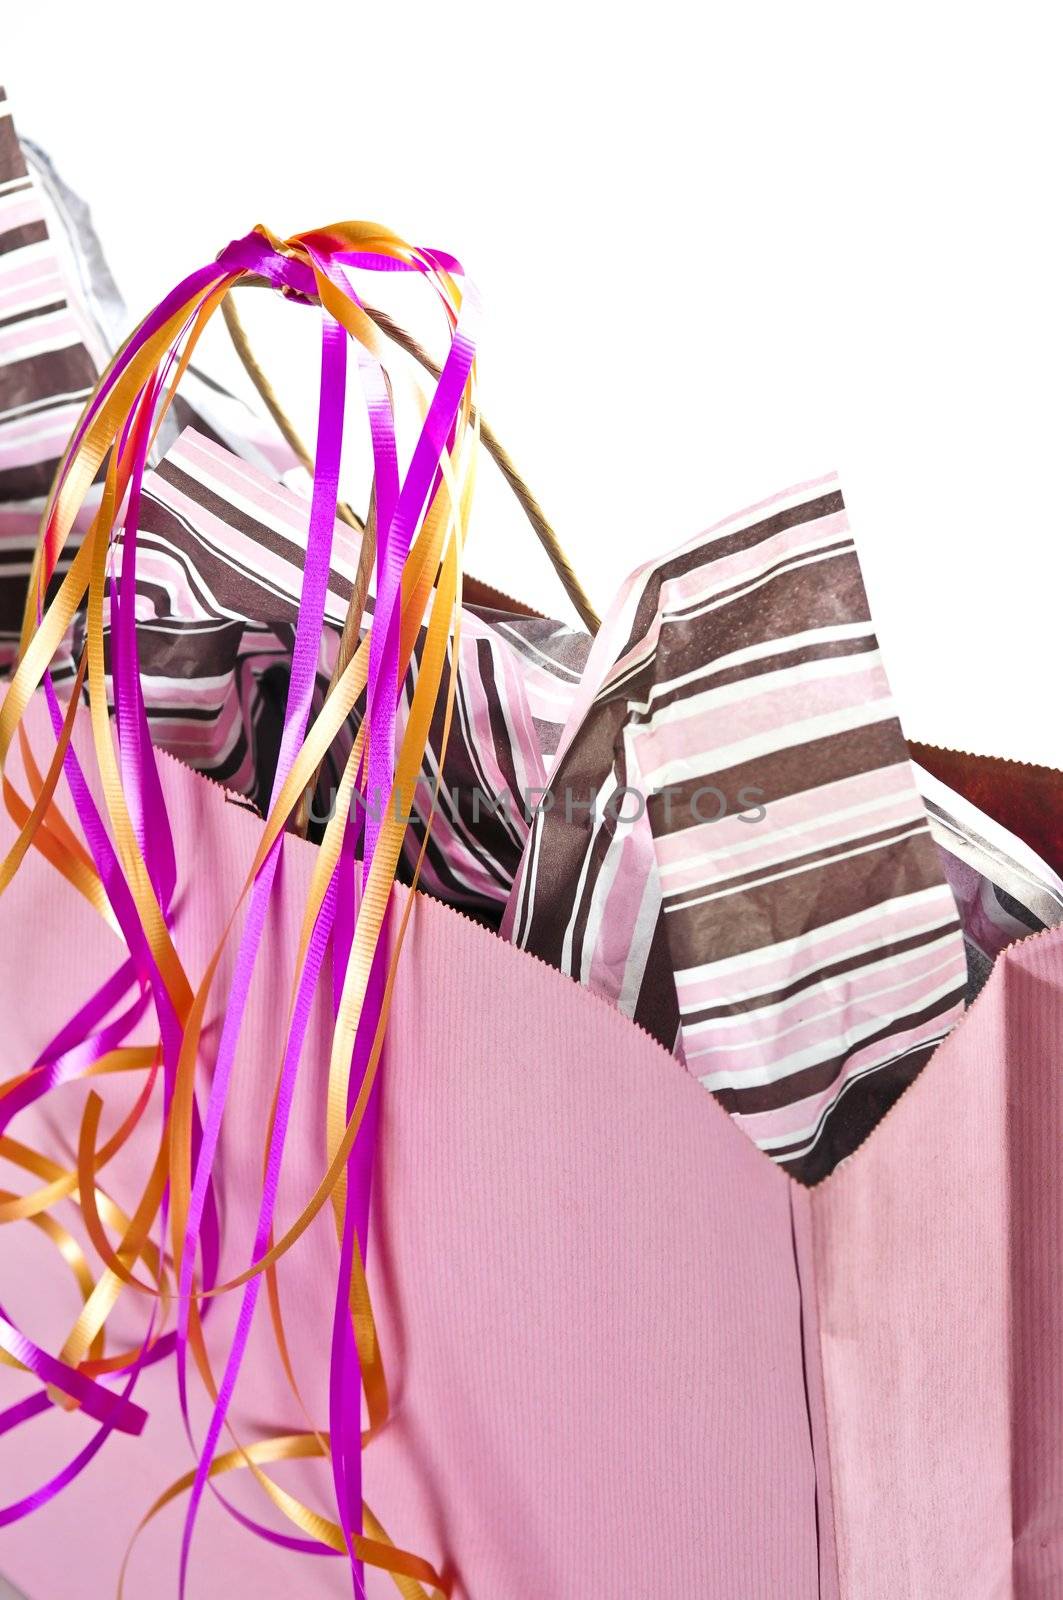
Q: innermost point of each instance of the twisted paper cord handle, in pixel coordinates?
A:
(544, 531)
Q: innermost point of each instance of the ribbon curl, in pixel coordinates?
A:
(122, 861)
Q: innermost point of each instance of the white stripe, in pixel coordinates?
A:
(785, 645)
(771, 741)
(813, 1132)
(45, 404)
(792, 834)
(916, 912)
(943, 951)
(49, 339)
(748, 690)
(844, 1043)
(771, 876)
(759, 579)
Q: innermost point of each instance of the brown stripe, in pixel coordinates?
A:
(12, 161)
(744, 539)
(748, 671)
(790, 865)
(213, 581)
(26, 234)
(795, 600)
(500, 735)
(28, 481)
(859, 1108)
(823, 1074)
(13, 585)
(181, 651)
(16, 549)
(33, 311)
(773, 913)
(783, 773)
(834, 969)
(564, 843)
(42, 404)
(604, 840)
(835, 550)
(657, 1008)
(288, 549)
(53, 373)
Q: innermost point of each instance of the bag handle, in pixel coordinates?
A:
(525, 499)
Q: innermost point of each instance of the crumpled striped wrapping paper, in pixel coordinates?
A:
(712, 821)
(731, 847)
(776, 910)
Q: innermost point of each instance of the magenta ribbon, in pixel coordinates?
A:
(76, 1046)
(301, 687)
(88, 1036)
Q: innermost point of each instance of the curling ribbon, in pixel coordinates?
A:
(124, 864)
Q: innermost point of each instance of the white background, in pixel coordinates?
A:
(721, 249)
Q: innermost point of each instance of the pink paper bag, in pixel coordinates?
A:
(628, 1354)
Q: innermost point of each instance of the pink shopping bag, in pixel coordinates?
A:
(629, 1352)
(626, 1351)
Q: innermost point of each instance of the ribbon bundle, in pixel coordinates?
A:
(167, 1250)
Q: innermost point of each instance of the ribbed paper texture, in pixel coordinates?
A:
(628, 1355)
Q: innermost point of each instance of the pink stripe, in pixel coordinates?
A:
(16, 525)
(726, 572)
(233, 479)
(752, 974)
(17, 272)
(202, 744)
(51, 433)
(792, 1119)
(459, 859)
(22, 428)
(884, 783)
(59, 329)
(165, 694)
(20, 210)
(34, 285)
(765, 846)
(828, 1013)
(756, 715)
(549, 698)
(612, 932)
(220, 470)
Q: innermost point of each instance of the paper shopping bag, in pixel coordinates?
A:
(349, 1244)
(605, 1310)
